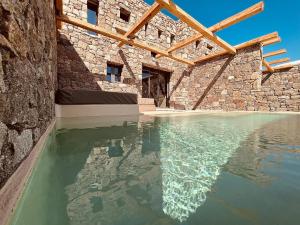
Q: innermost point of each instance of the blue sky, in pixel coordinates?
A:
(279, 15)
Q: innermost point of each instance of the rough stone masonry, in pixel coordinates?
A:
(27, 78)
(35, 59)
(225, 83)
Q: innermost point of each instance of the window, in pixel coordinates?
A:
(146, 27)
(172, 38)
(115, 148)
(153, 54)
(197, 43)
(159, 33)
(210, 47)
(124, 14)
(92, 13)
(113, 73)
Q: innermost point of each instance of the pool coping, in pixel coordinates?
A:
(11, 192)
(212, 112)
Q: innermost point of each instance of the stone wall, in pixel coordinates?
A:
(225, 83)
(280, 91)
(236, 83)
(83, 57)
(27, 78)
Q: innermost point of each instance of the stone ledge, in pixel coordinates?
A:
(11, 192)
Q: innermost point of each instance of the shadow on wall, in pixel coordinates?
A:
(267, 76)
(212, 83)
(72, 73)
(132, 80)
(185, 74)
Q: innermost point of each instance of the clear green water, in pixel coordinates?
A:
(211, 170)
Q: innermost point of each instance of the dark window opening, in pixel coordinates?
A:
(197, 43)
(210, 47)
(92, 13)
(113, 73)
(172, 38)
(115, 148)
(124, 14)
(153, 54)
(146, 27)
(159, 33)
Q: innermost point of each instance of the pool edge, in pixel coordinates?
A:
(12, 191)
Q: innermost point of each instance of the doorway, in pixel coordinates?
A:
(155, 84)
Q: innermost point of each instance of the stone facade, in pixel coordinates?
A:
(224, 83)
(27, 78)
(83, 57)
(280, 91)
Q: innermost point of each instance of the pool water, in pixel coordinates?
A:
(227, 169)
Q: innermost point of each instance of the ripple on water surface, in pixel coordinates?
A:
(172, 170)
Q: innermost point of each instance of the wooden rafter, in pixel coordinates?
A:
(279, 61)
(118, 37)
(251, 11)
(285, 66)
(182, 15)
(267, 65)
(271, 41)
(282, 67)
(237, 47)
(270, 54)
(149, 14)
(58, 11)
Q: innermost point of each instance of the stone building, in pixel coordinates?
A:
(85, 60)
(36, 59)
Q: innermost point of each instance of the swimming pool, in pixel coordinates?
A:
(225, 168)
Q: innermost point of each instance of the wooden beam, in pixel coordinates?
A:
(251, 11)
(58, 12)
(179, 13)
(270, 54)
(267, 65)
(271, 41)
(238, 47)
(279, 61)
(257, 40)
(285, 66)
(118, 37)
(282, 67)
(149, 14)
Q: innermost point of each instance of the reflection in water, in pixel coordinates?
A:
(282, 136)
(119, 181)
(160, 172)
(192, 160)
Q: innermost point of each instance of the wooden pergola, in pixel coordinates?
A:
(202, 32)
